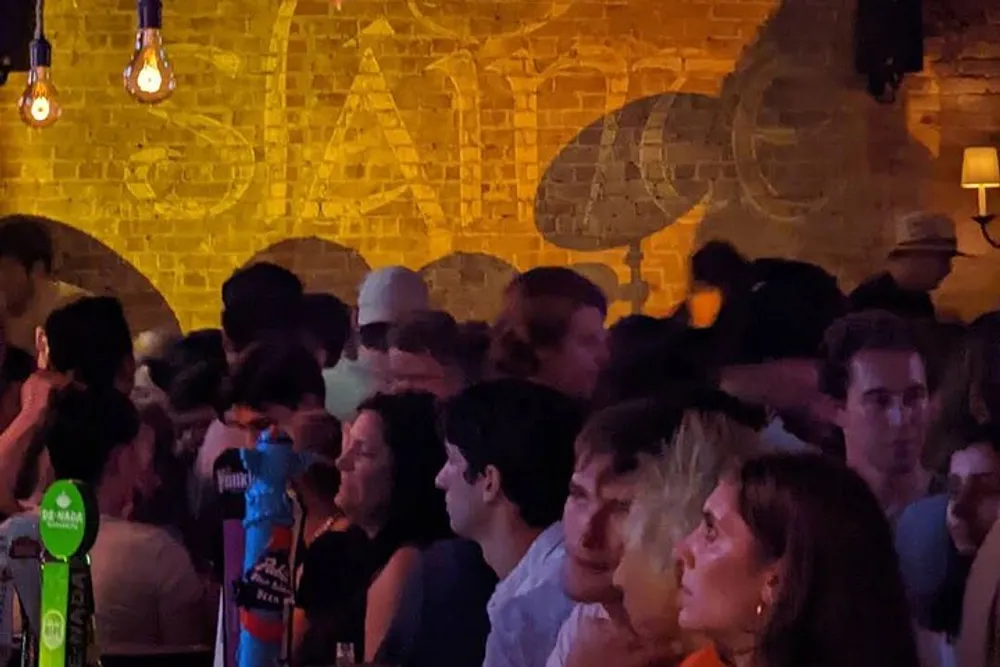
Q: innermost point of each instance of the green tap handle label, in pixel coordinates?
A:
(68, 519)
(68, 523)
(55, 607)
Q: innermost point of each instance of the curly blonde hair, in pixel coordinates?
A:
(674, 485)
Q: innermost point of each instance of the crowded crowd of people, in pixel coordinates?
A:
(778, 474)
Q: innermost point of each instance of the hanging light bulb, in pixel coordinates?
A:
(149, 77)
(39, 104)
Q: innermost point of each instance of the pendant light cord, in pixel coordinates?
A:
(39, 19)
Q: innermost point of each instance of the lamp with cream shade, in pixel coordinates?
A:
(981, 171)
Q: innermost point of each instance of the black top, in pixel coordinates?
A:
(882, 292)
(442, 620)
(337, 569)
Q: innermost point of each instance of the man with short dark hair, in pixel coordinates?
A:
(874, 369)
(326, 321)
(425, 354)
(276, 379)
(86, 341)
(89, 341)
(29, 290)
(510, 456)
(608, 456)
(259, 300)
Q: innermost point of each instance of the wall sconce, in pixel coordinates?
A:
(981, 171)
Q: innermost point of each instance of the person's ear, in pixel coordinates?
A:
(491, 484)
(771, 587)
(41, 349)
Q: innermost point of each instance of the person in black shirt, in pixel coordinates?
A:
(920, 260)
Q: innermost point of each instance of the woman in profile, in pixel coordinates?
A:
(392, 453)
(667, 506)
(793, 565)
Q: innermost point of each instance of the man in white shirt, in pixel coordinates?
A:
(510, 456)
(609, 453)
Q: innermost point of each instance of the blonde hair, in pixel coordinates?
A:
(674, 486)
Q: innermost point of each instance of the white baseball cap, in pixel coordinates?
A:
(389, 294)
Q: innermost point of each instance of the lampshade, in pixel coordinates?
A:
(980, 168)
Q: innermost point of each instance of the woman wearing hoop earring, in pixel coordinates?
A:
(793, 566)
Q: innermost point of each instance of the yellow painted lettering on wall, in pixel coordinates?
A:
(460, 69)
(147, 165)
(524, 80)
(370, 130)
(152, 173)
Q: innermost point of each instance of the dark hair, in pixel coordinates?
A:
(841, 600)
(869, 330)
(969, 394)
(375, 336)
(628, 431)
(650, 356)
(322, 434)
(27, 239)
(81, 429)
(416, 513)
(719, 263)
(432, 332)
(538, 306)
(164, 508)
(327, 320)
(192, 370)
(276, 371)
(790, 306)
(474, 346)
(260, 300)
(17, 365)
(524, 430)
(89, 338)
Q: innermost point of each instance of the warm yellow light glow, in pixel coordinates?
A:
(704, 306)
(40, 109)
(980, 168)
(39, 104)
(149, 80)
(149, 77)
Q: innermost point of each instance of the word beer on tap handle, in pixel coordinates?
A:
(68, 524)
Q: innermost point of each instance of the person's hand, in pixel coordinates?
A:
(37, 389)
(601, 642)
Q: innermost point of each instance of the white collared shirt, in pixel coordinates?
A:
(541, 564)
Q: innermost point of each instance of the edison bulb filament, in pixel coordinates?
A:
(40, 109)
(149, 80)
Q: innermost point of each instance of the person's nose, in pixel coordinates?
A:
(594, 533)
(896, 413)
(963, 506)
(683, 556)
(439, 479)
(344, 462)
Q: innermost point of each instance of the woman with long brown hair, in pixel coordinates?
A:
(793, 566)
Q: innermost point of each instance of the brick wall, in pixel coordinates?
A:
(470, 139)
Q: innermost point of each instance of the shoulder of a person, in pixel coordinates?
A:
(541, 610)
(142, 537)
(18, 525)
(877, 282)
(403, 559)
